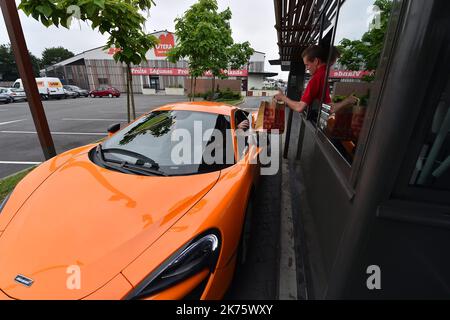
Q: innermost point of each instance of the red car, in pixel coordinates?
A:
(104, 92)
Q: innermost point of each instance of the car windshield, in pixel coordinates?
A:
(174, 142)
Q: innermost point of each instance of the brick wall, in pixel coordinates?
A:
(204, 85)
(347, 88)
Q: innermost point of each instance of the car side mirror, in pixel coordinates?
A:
(113, 129)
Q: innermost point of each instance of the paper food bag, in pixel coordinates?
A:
(271, 116)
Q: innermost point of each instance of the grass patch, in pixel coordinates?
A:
(232, 102)
(7, 184)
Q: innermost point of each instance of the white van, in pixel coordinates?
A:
(48, 87)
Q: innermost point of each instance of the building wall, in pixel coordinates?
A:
(348, 88)
(77, 75)
(108, 72)
(164, 81)
(255, 81)
(204, 85)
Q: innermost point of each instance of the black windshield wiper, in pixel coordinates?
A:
(127, 167)
(148, 171)
(108, 166)
(140, 158)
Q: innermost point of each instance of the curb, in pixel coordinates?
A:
(18, 172)
(288, 266)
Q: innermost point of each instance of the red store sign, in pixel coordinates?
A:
(181, 72)
(166, 42)
(348, 74)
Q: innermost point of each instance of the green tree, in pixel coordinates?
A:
(8, 67)
(365, 53)
(50, 56)
(204, 39)
(122, 20)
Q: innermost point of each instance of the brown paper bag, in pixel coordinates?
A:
(271, 116)
(346, 123)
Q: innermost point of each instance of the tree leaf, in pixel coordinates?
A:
(45, 9)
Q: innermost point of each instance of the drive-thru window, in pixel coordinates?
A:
(375, 176)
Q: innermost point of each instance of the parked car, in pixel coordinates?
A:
(129, 218)
(48, 87)
(4, 98)
(70, 94)
(105, 91)
(14, 94)
(81, 92)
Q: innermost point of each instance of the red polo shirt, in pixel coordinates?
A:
(315, 87)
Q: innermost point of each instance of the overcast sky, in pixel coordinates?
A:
(253, 21)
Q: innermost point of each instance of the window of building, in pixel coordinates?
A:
(103, 81)
(154, 82)
(353, 60)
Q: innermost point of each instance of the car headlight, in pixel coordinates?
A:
(4, 202)
(197, 255)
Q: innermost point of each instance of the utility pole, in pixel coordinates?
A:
(26, 73)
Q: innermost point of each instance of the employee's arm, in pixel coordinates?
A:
(351, 100)
(298, 106)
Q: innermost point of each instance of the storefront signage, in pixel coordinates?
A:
(112, 51)
(166, 42)
(181, 72)
(348, 74)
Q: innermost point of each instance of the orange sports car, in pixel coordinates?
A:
(158, 210)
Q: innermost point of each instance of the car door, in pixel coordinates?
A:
(104, 91)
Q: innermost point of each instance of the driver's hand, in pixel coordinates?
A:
(244, 125)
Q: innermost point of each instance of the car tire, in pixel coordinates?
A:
(242, 252)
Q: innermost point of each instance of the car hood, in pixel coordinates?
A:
(84, 224)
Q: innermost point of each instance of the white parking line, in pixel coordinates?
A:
(59, 133)
(75, 119)
(2, 123)
(124, 112)
(19, 162)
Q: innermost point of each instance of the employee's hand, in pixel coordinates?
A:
(350, 100)
(280, 96)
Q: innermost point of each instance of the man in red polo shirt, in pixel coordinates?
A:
(313, 58)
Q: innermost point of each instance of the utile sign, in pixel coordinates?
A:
(181, 72)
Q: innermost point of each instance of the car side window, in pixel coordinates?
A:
(242, 141)
(17, 85)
